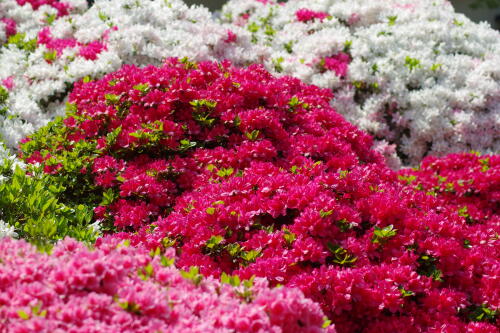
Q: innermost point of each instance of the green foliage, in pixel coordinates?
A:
(50, 55)
(214, 246)
(391, 20)
(405, 293)
(193, 274)
(289, 237)
(223, 172)
(324, 214)
(326, 322)
(278, 64)
(202, 109)
(381, 236)
(412, 63)
(252, 136)
(130, 307)
(289, 46)
(427, 266)
(344, 225)
(340, 256)
(146, 272)
(19, 41)
(295, 102)
(4, 96)
(31, 204)
(143, 87)
(481, 313)
(242, 288)
(70, 161)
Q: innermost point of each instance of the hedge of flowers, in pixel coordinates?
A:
(215, 191)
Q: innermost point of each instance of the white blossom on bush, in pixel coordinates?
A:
(420, 76)
(6, 230)
(111, 33)
(28, 19)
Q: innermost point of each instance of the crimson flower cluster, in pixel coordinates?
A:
(243, 173)
(305, 15)
(10, 26)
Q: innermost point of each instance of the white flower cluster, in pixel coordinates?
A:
(30, 20)
(422, 78)
(140, 32)
(6, 230)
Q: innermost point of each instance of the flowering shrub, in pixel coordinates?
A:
(44, 65)
(418, 76)
(335, 237)
(243, 173)
(115, 288)
(144, 136)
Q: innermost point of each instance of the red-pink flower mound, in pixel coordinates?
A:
(247, 174)
(370, 251)
(158, 132)
(116, 288)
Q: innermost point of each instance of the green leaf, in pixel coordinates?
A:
(392, 20)
(412, 63)
(23, 315)
(50, 55)
(193, 275)
(167, 262)
(142, 87)
(250, 256)
(112, 99)
(278, 64)
(324, 214)
(427, 266)
(223, 172)
(231, 280)
(289, 46)
(340, 256)
(289, 237)
(50, 18)
(252, 136)
(381, 236)
(405, 293)
(326, 322)
(436, 67)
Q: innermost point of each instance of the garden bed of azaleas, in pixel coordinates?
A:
(178, 172)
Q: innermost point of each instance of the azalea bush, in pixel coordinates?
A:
(210, 160)
(136, 139)
(219, 191)
(418, 76)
